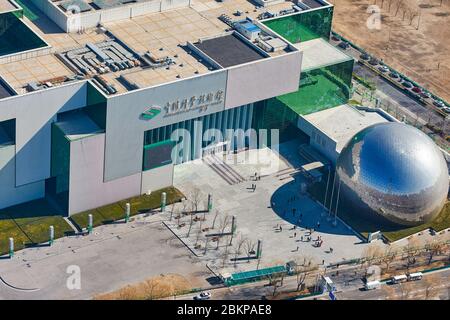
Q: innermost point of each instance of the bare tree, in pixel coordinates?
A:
(259, 258)
(389, 256)
(206, 244)
(191, 222)
(238, 247)
(225, 255)
(150, 287)
(224, 222)
(372, 254)
(172, 210)
(276, 281)
(433, 248)
(216, 214)
(195, 196)
(411, 250)
(198, 234)
(303, 270)
(249, 248)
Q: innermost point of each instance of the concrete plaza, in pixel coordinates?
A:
(265, 214)
(112, 257)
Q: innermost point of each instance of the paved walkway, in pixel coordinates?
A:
(110, 258)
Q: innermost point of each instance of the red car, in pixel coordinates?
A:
(416, 90)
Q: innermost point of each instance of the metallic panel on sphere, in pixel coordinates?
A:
(393, 171)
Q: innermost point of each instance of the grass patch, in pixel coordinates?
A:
(392, 232)
(29, 223)
(116, 211)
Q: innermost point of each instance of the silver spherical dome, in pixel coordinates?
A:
(393, 171)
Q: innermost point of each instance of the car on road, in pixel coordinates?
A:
(398, 279)
(364, 56)
(407, 84)
(371, 285)
(383, 68)
(415, 276)
(203, 296)
(344, 45)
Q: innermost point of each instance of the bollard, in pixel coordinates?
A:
(127, 212)
(210, 205)
(259, 249)
(233, 224)
(52, 235)
(163, 201)
(90, 223)
(11, 247)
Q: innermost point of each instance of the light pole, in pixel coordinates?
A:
(337, 203)
(326, 189)
(332, 193)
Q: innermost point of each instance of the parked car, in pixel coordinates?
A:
(439, 104)
(407, 84)
(425, 95)
(394, 75)
(373, 61)
(364, 56)
(335, 38)
(446, 109)
(383, 68)
(416, 90)
(344, 45)
(203, 296)
(371, 285)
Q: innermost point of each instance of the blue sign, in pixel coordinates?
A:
(332, 296)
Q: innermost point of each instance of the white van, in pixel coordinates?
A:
(370, 285)
(398, 279)
(415, 276)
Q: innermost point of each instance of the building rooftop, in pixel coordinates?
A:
(6, 5)
(318, 53)
(343, 122)
(162, 36)
(229, 50)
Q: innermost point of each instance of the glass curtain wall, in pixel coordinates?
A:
(194, 136)
(303, 26)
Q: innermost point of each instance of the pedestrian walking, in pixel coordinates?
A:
(318, 224)
(295, 234)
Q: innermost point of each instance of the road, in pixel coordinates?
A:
(411, 290)
(390, 95)
(349, 283)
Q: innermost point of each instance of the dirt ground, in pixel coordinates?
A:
(414, 37)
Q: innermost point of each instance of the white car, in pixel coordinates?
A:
(203, 296)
